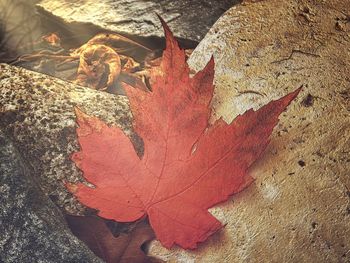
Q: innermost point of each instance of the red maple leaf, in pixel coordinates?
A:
(187, 166)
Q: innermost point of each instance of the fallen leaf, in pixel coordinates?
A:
(100, 66)
(52, 39)
(95, 62)
(188, 166)
(125, 248)
(118, 42)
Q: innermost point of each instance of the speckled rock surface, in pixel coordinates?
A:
(298, 209)
(37, 112)
(189, 19)
(32, 229)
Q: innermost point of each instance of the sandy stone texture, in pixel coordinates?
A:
(298, 208)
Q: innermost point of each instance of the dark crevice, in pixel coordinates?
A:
(74, 34)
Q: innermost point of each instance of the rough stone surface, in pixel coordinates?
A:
(298, 209)
(32, 229)
(37, 112)
(189, 19)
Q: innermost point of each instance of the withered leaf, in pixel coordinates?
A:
(125, 248)
(95, 62)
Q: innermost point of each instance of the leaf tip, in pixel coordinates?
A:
(169, 36)
(287, 99)
(212, 61)
(210, 67)
(297, 91)
(164, 25)
(80, 114)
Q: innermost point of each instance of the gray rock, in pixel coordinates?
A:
(31, 227)
(189, 19)
(37, 112)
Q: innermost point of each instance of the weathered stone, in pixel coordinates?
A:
(188, 19)
(31, 227)
(298, 209)
(37, 112)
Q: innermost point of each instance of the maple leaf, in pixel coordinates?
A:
(187, 166)
(124, 248)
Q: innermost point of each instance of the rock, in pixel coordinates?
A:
(189, 19)
(37, 112)
(298, 209)
(32, 229)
